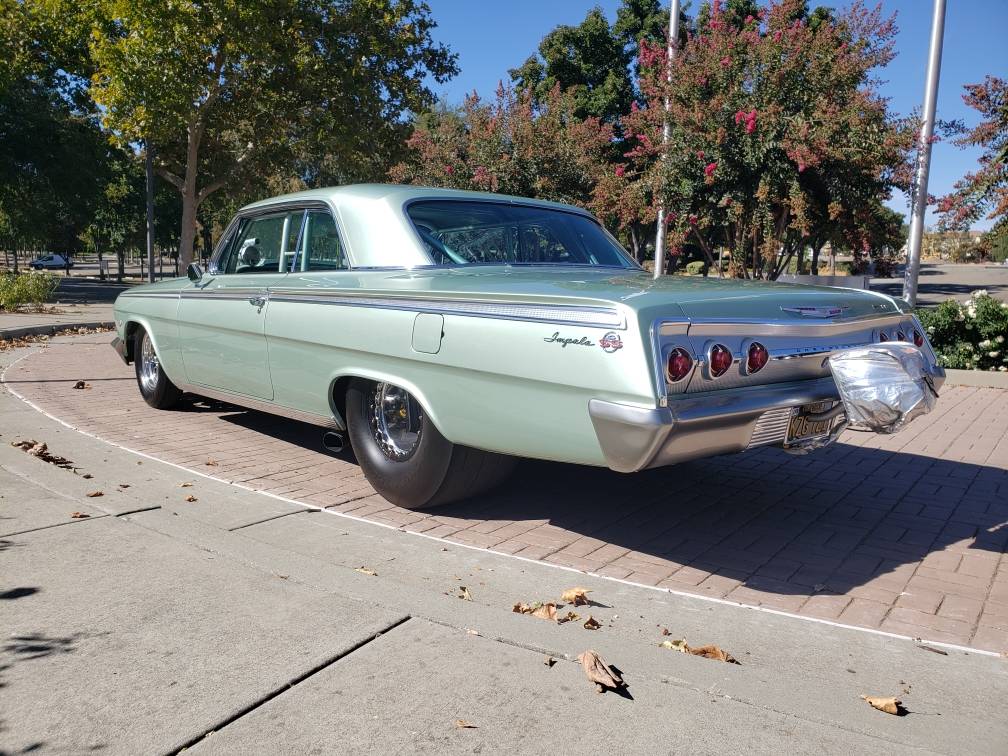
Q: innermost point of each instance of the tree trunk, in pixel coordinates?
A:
(190, 198)
(815, 259)
(120, 264)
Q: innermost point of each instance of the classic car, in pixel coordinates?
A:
(443, 333)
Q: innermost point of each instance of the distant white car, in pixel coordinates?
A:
(50, 262)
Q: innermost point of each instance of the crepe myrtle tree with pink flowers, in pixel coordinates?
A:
(779, 141)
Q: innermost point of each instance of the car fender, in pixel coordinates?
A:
(341, 379)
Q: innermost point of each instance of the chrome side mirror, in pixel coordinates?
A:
(195, 272)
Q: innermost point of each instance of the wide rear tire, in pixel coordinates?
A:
(405, 457)
(155, 387)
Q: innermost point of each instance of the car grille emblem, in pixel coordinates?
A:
(816, 312)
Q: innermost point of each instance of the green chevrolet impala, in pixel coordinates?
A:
(445, 333)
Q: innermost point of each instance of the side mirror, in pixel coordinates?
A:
(195, 272)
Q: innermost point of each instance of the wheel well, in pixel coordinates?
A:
(129, 335)
(339, 390)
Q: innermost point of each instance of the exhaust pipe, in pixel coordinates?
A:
(332, 441)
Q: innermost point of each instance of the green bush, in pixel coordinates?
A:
(696, 267)
(30, 289)
(969, 335)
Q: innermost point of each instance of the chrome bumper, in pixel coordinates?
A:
(120, 346)
(700, 425)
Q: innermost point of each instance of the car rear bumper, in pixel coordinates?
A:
(701, 425)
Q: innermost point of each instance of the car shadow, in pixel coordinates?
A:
(829, 522)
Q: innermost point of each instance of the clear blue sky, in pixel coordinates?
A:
(491, 37)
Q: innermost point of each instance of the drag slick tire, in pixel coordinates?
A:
(405, 457)
(155, 387)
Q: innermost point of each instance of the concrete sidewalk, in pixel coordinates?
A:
(236, 622)
(15, 325)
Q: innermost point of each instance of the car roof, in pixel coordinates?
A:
(373, 221)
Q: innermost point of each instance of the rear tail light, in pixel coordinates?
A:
(900, 336)
(679, 364)
(756, 357)
(720, 360)
(882, 336)
(918, 338)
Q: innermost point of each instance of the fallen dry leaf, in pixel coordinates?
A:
(592, 624)
(124, 485)
(190, 498)
(464, 593)
(569, 617)
(549, 661)
(82, 385)
(41, 450)
(713, 652)
(600, 673)
(95, 494)
(545, 611)
(576, 596)
(79, 515)
(888, 705)
(87, 476)
(463, 725)
(676, 645)
(211, 463)
(367, 571)
(187, 484)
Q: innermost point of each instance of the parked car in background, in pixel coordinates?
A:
(446, 333)
(50, 262)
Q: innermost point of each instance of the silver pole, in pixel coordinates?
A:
(149, 169)
(920, 193)
(673, 43)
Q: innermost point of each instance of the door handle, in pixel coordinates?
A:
(257, 301)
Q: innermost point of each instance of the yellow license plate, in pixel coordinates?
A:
(802, 427)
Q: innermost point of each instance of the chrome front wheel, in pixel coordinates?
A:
(148, 366)
(155, 386)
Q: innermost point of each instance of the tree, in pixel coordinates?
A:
(986, 189)
(510, 145)
(590, 61)
(225, 91)
(779, 139)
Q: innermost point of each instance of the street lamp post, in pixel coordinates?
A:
(920, 192)
(673, 44)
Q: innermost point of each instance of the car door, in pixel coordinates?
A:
(222, 316)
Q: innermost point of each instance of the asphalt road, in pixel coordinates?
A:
(938, 282)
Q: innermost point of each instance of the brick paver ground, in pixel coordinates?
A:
(906, 533)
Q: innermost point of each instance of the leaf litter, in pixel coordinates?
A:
(545, 611)
(707, 652)
(366, 571)
(41, 450)
(890, 705)
(576, 596)
(600, 673)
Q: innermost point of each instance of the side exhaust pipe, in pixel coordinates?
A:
(332, 441)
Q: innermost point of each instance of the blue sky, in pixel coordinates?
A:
(491, 37)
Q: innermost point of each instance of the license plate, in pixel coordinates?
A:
(801, 427)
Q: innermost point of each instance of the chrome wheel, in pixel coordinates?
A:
(396, 421)
(149, 365)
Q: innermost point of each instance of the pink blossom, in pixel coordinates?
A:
(449, 170)
(699, 154)
(777, 36)
(749, 19)
(750, 127)
(692, 219)
(620, 170)
(726, 61)
(801, 166)
(739, 117)
(709, 169)
(634, 107)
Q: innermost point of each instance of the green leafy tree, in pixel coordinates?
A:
(984, 191)
(229, 92)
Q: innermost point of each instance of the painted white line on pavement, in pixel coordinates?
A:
(438, 539)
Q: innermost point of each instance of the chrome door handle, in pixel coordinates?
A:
(257, 301)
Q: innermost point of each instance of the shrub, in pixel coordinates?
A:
(969, 335)
(30, 289)
(885, 267)
(696, 267)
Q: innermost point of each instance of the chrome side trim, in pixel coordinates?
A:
(226, 294)
(260, 405)
(602, 317)
(743, 326)
(150, 294)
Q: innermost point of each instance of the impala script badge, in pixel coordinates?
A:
(556, 338)
(816, 312)
(611, 342)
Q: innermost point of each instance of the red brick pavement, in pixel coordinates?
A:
(906, 533)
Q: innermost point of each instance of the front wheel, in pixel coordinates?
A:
(155, 387)
(405, 457)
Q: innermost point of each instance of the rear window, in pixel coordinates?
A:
(458, 232)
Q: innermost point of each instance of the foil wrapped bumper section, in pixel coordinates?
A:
(885, 386)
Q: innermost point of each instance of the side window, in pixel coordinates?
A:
(264, 244)
(320, 247)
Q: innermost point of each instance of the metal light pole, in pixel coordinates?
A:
(149, 168)
(673, 44)
(920, 194)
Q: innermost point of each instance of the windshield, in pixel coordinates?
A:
(457, 232)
